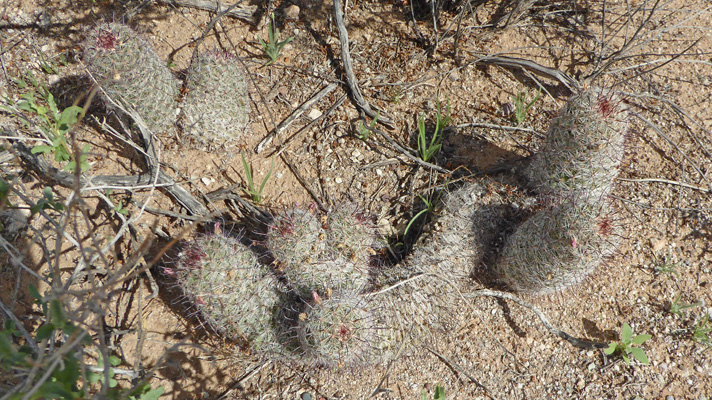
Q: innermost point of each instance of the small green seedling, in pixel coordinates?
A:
(273, 48)
(119, 204)
(702, 330)
(54, 124)
(625, 346)
(430, 204)
(255, 193)
(667, 267)
(365, 133)
(438, 395)
(428, 149)
(46, 202)
(521, 107)
(677, 308)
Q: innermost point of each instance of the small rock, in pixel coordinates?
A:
(338, 180)
(207, 181)
(314, 114)
(53, 79)
(292, 12)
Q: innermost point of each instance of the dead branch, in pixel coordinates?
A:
(294, 115)
(348, 68)
(511, 62)
(243, 12)
(583, 344)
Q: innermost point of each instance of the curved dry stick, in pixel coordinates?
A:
(583, 344)
(242, 12)
(348, 68)
(539, 69)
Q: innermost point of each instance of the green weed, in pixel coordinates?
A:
(255, 193)
(428, 149)
(677, 308)
(273, 48)
(625, 346)
(364, 133)
(54, 124)
(438, 395)
(702, 330)
(521, 107)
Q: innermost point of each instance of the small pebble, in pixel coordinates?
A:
(292, 12)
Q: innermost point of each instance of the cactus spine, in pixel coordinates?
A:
(559, 246)
(584, 146)
(232, 291)
(216, 107)
(131, 73)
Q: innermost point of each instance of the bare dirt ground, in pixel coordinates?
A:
(657, 55)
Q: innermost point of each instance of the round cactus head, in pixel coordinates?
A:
(352, 232)
(559, 246)
(131, 74)
(337, 331)
(216, 107)
(584, 147)
(296, 236)
(231, 290)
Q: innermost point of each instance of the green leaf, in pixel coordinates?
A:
(114, 360)
(611, 348)
(626, 333)
(34, 293)
(625, 358)
(639, 355)
(42, 149)
(46, 331)
(439, 393)
(640, 339)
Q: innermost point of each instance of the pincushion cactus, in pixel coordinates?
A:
(231, 290)
(338, 331)
(559, 246)
(130, 73)
(323, 253)
(216, 107)
(441, 265)
(584, 146)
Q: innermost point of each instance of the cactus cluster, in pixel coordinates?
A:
(231, 290)
(559, 246)
(342, 309)
(131, 73)
(584, 146)
(215, 108)
(572, 232)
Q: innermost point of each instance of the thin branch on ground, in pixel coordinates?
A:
(361, 103)
(459, 370)
(583, 344)
(512, 62)
(20, 327)
(667, 181)
(294, 115)
(243, 12)
(408, 153)
(312, 193)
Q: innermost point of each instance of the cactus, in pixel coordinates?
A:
(231, 290)
(216, 107)
(296, 236)
(352, 232)
(441, 266)
(338, 331)
(558, 246)
(323, 257)
(131, 73)
(584, 146)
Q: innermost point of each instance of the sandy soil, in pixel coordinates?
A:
(495, 349)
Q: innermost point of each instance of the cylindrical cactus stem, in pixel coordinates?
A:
(338, 331)
(421, 295)
(584, 146)
(559, 245)
(231, 290)
(130, 73)
(216, 107)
